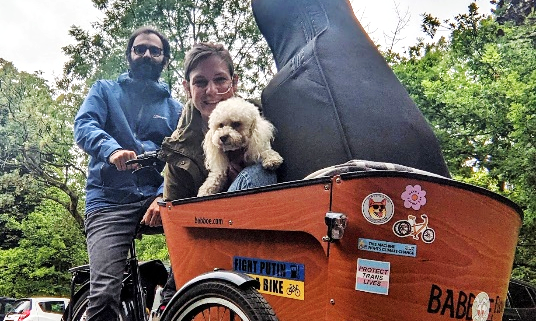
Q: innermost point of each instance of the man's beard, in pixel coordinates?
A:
(145, 68)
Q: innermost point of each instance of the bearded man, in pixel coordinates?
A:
(117, 121)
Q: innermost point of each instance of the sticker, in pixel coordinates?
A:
(410, 227)
(285, 279)
(481, 307)
(461, 304)
(414, 197)
(387, 247)
(373, 276)
(377, 208)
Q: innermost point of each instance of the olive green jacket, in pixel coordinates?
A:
(185, 170)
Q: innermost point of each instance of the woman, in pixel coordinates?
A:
(209, 78)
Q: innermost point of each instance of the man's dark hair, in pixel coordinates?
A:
(203, 50)
(149, 30)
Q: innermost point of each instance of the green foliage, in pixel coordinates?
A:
(100, 53)
(515, 11)
(51, 244)
(36, 147)
(152, 247)
(477, 90)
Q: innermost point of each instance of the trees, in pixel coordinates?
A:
(513, 10)
(36, 140)
(47, 249)
(100, 53)
(477, 90)
(40, 187)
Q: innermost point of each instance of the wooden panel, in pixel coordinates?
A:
(473, 250)
(285, 225)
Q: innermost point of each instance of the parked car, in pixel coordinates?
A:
(5, 305)
(37, 309)
(521, 302)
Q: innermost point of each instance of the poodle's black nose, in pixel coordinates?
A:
(224, 138)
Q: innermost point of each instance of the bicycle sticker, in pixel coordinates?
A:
(411, 227)
(463, 304)
(481, 307)
(377, 208)
(373, 276)
(285, 279)
(414, 197)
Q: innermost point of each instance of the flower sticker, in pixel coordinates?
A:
(414, 197)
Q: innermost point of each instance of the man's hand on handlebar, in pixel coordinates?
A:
(120, 157)
(152, 215)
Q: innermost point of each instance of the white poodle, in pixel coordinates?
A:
(238, 136)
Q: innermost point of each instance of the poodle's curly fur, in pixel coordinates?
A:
(236, 124)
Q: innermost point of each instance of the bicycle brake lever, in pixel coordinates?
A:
(142, 162)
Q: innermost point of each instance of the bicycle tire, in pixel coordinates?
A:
(428, 236)
(79, 312)
(213, 297)
(80, 307)
(402, 228)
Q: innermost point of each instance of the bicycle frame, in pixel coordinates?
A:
(136, 286)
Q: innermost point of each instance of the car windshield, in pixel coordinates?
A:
(520, 296)
(6, 305)
(21, 306)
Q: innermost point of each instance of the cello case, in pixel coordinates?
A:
(334, 98)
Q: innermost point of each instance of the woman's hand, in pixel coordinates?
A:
(152, 215)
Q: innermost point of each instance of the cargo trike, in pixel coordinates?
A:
(343, 245)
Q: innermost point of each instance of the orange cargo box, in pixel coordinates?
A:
(413, 246)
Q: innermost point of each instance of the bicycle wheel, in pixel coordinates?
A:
(219, 300)
(428, 236)
(80, 307)
(402, 228)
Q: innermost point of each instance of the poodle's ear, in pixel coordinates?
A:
(262, 133)
(215, 159)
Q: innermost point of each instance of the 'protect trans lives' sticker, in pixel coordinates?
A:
(285, 279)
(373, 276)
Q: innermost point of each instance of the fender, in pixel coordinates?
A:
(80, 276)
(236, 278)
(152, 273)
(67, 314)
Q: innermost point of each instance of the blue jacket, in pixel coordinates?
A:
(123, 114)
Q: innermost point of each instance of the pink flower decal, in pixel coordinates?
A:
(414, 197)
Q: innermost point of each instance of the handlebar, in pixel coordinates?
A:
(145, 159)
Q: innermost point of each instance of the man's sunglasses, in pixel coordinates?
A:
(140, 50)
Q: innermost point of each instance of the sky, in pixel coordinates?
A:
(36, 30)
(379, 17)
